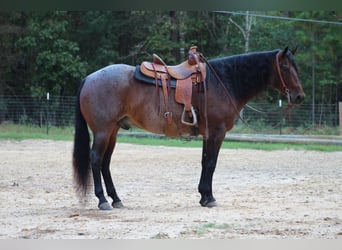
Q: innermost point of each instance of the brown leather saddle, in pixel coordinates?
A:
(189, 72)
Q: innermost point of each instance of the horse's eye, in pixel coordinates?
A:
(285, 67)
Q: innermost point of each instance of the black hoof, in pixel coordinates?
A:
(212, 204)
(208, 203)
(105, 206)
(117, 204)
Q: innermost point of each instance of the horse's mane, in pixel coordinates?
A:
(244, 75)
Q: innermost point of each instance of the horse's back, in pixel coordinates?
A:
(115, 74)
(103, 93)
(107, 81)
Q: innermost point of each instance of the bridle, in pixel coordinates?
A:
(286, 90)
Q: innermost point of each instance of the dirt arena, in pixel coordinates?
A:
(261, 194)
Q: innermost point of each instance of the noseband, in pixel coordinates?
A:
(286, 90)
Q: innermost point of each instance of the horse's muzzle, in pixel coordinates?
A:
(297, 98)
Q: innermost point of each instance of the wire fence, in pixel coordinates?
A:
(260, 117)
(263, 117)
(25, 110)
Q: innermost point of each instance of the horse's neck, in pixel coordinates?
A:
(246, 76)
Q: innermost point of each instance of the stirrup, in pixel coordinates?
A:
(194, 118)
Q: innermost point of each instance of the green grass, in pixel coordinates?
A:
(20, 132)
(229, 144)
(204, 228)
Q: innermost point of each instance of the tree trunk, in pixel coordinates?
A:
(175, 36)
(246, 34)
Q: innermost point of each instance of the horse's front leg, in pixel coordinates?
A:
(210, 151)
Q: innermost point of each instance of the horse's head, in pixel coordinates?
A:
(286, 77)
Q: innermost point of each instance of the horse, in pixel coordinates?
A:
(112, 98)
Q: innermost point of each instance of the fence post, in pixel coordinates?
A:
(281, 116)
(340, 112)
(47, 112)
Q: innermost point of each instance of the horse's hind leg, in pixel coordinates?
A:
(96, 157)
(106, 172)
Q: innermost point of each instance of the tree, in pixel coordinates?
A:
(11, 28)
(246, 30)
(52, 61)
(321, 60)
(53, 51)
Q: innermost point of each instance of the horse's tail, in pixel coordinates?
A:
(81, 153)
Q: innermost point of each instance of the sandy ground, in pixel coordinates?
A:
(278, 194)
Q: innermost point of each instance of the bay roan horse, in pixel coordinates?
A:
(111, 98)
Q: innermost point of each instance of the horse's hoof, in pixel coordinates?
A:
(105, 206)
(211, 204)
(117, 204)
(208, 204)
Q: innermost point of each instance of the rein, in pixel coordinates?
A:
(284, 110)
(223, 86)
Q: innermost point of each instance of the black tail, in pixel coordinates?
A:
(81, 153)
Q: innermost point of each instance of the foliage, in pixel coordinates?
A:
(56, 60)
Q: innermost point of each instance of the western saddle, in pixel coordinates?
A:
(189, 72)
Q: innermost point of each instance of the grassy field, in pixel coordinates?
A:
(21, 132)
(17, 132)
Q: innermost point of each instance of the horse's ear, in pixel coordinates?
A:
(283, 54)
(294, 51)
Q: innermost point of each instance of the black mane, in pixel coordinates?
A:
(244, 75)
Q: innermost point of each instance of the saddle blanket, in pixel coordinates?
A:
(149, 80)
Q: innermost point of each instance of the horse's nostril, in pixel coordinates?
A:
(299, 98)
